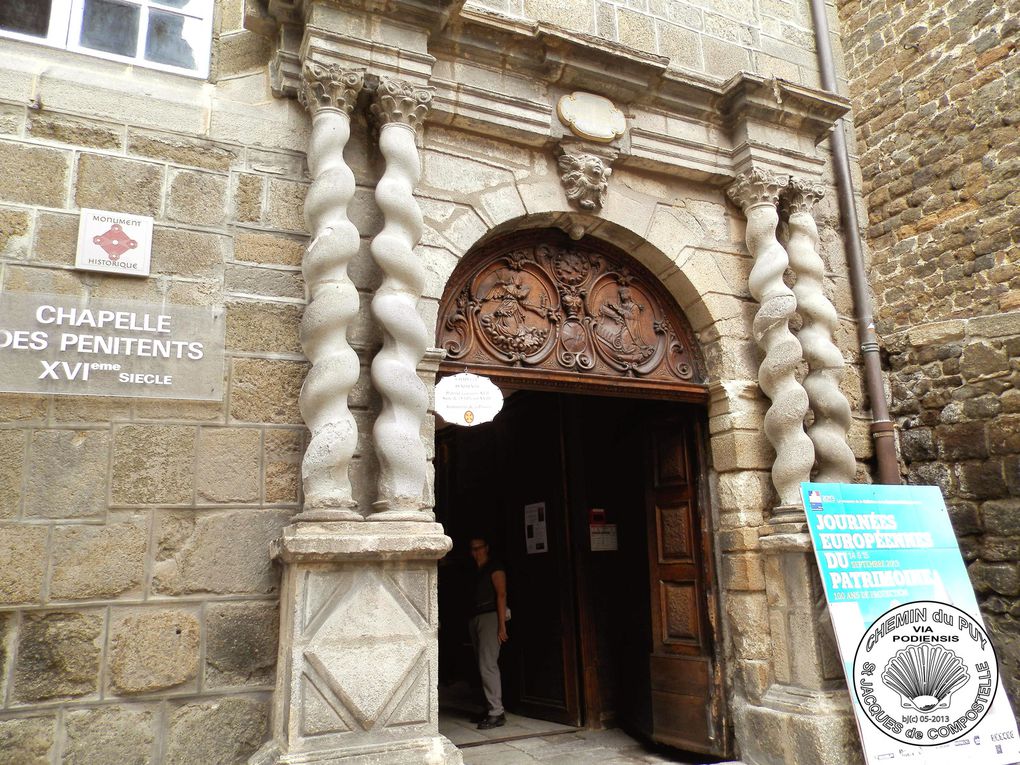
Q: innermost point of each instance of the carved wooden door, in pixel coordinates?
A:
(539, 309)
(686, 681)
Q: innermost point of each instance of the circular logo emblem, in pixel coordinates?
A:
(469, 416)
(925, 673)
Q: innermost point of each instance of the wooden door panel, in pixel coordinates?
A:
(689, 677)
(686, 692)
(680, 724)
(681, 617)
(672, 468)
(675, 532)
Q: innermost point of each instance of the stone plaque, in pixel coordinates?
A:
(115, 243)
(74, 346)
(592, 117)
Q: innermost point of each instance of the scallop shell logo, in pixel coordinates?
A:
(925, 676)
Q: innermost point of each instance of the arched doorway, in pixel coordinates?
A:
(598, 453)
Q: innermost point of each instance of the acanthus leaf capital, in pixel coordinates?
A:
(400, 102)
(800, 196)
(756, 186)
(329, 86)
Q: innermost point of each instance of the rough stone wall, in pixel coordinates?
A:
(716, 37)
(138, 611)
(937, 92)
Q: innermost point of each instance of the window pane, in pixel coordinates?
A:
(171, 39)
(111, 27)
(29, 17)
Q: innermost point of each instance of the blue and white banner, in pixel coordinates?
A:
(920, 666)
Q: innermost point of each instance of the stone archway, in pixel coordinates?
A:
(539, 309)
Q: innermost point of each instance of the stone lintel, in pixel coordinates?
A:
(749, 97)
(699, 161)
(350, 541)
(428, 14)
(772, 123)
(346, 36)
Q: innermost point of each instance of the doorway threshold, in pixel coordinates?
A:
(519, 737)
(456, 725)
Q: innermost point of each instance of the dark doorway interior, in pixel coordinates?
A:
(581, 632)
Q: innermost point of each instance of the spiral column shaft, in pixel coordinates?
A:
(400, 109)
(757, 193)
(832, 417)
(329, 93)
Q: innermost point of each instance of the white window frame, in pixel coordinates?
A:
(67, 16)
(60, 15)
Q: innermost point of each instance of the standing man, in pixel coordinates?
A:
(488, 629)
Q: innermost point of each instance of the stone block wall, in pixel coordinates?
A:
(138, 604)
(773, 38)
(936, 90)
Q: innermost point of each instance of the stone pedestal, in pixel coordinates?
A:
(356, 677)
(804, 718)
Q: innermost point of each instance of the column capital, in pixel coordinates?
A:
(329, 86)
(399, 102)
(800, 196)
(755, 187)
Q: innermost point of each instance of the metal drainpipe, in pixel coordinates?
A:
(882, 428)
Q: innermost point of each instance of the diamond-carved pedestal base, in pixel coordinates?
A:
(356, 678)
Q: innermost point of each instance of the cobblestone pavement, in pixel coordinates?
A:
(604, 747)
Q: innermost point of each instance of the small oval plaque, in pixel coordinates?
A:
(592, 117)
(468, 399)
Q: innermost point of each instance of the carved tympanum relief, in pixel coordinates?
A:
(565, 308)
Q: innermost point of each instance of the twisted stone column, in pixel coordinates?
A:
(400, 109)
(828, 432)
(757, 193)
(329, 93)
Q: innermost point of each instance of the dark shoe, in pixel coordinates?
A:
(492, 721)
(480, 717)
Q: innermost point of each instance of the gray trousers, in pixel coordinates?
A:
(484, 629)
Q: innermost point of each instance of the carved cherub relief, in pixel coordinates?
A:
(585, 178)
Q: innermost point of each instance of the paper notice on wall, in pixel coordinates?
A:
(920, 665)
(603, 537)
(534, 528)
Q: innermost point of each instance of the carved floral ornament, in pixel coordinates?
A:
(566, 308)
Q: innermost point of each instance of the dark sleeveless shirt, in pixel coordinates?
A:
(485, 591)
